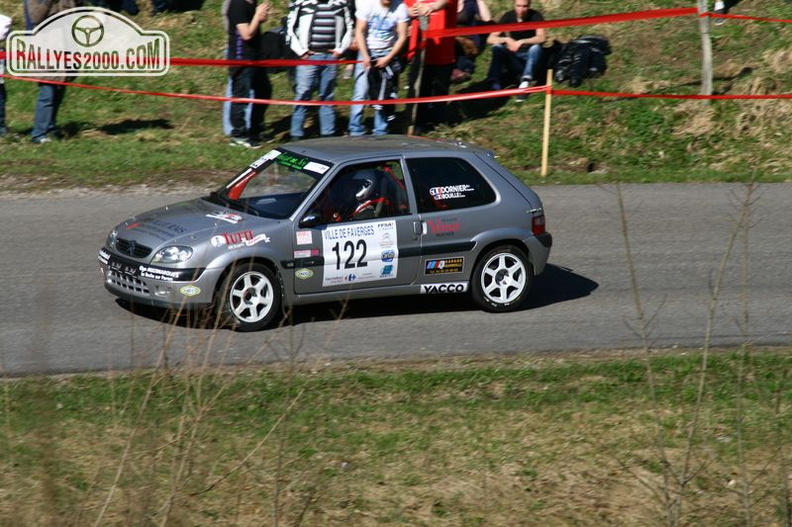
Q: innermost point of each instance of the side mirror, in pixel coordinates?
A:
(311, 219)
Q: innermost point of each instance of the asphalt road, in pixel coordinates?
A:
(55, 315)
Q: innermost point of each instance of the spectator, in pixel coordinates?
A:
(130, 6)
(439, 59)
(722, 8)
(380, 33)
(244, 21)
(50, 96)
(470, 13)
(517, 51)
(5, 28)
(318, 30)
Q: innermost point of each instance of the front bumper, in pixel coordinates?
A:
(156, 285)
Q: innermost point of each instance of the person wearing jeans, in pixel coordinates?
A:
(522, 61)
(516, 51)
(317, 30)
(5, 28)
(243, 21)
(310, 77)
(45, 119)
(380, 33)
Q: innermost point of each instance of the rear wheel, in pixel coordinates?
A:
(502, 279)
(249, 298)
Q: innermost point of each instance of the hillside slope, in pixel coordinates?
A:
(118, 139)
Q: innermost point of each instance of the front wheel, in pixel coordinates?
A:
(249, 297)
(502, 279)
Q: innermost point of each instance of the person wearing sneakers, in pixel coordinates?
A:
(516, 51)
(722, 8)
(243, 21)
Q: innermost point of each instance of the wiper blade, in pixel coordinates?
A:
(216, 197)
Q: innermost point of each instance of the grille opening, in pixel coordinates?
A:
(132, 248)
(129, 283)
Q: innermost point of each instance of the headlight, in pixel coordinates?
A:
(111, 238)
(173, 254)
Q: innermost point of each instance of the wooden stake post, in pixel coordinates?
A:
(546, 133)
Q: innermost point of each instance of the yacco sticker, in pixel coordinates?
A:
(303, 274)
(450, 191)
(230, 217)
(190, 290)
(451, 287)
(304, 238)
(444, 266)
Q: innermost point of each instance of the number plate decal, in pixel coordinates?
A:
(360, 252)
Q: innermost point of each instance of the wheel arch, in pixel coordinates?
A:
(491, 244)
(247, 260)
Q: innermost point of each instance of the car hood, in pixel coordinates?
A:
(182, 223)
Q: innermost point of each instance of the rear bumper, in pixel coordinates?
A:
(539, 250)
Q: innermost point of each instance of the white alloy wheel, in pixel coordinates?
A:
(502, 279)
(250, 297)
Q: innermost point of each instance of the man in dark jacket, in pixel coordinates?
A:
(243, 21)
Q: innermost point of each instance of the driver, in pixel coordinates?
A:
(369, 202)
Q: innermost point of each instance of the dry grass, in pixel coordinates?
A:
(520, 441)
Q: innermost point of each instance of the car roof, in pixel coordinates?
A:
(340, 149)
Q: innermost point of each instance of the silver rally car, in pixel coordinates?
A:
(336, 219)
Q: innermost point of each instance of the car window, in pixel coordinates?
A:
(364, 191)
(272, 186)
(448, 183)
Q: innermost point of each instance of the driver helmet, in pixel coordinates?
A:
(364, 185)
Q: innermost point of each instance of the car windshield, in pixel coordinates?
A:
(273, 186)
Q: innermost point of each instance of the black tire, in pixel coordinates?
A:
(502, 279)
(249, 298)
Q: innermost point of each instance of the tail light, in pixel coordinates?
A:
(537, 222)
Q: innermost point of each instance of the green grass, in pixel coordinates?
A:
(124, 139)
(456, 443)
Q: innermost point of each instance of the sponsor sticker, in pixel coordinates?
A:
(444, 226)
(444, 266)
(451, 287)
(388, 256)
(190, 290)
(272, 154)
(304, 238)
(303, 274)
(230, 217)
(316, 167)
(157, 273)
(450, 192)
(235, 240)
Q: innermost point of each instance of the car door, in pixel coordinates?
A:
(455, 202)
(358, 233)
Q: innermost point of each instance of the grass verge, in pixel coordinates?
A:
(527, 440)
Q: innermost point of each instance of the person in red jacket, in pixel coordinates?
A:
(439, 58)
